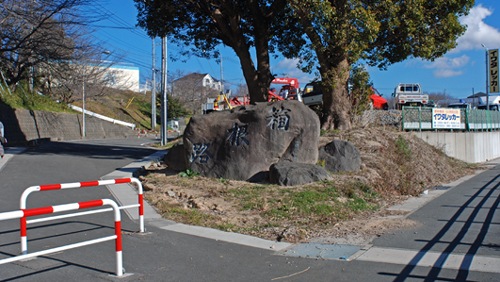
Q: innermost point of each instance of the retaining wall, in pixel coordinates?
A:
(471, 147)
(26, 126)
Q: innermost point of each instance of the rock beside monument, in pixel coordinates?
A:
(244, 142)
(340, 156)
(291, 174)
(176, 157)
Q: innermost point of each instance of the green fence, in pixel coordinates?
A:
(420, 118)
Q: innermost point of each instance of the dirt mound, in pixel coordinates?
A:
(351, 208)
(399, 162)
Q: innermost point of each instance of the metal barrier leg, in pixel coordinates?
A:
(118, 242)
(24, 240)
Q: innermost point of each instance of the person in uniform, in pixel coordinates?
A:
(2, 139)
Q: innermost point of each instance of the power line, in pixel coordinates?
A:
(109, 15)
(122, 42)
(131, 54)
(104, 26)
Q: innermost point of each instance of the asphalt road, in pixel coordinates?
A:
(457, 240)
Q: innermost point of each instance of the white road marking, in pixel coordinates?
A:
(428, 259)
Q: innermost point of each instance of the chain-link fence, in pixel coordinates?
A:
(420, 118)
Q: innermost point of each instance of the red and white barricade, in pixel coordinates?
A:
(69, 207)
(29, 190)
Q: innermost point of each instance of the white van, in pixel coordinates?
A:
(494, 103)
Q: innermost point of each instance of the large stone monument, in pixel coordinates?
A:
(244, 142)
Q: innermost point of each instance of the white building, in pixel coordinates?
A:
(122, 77)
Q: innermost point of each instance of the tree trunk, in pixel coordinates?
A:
(257, 75)
(258, 81)
(336, 103)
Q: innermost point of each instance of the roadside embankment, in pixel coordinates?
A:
(27, 126)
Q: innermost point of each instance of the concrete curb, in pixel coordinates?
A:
(9, 153)
(126, 194)
(230, 237)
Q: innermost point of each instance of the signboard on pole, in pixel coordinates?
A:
(493, 66)
(445, 118)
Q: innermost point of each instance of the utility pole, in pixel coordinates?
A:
(83, 108)
(487, 86)
(153, 92)
(221, 78)
(164, 128)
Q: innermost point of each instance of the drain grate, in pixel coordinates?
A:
(322, 251)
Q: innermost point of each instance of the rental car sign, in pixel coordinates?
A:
(445, 118)
(493, 55)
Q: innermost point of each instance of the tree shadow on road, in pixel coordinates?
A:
(96, 151)
(488, 192)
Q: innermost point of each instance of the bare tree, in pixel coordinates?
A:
(172, 77)
(42, 34)
(442, 99)
(90, 72)
(191, 92)
(436, 96)
(241, 90)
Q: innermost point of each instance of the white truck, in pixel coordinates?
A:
(410, 94)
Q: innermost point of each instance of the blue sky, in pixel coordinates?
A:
(460, 72)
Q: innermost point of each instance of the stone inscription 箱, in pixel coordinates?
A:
(279, 118)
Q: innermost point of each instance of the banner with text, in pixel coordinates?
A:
(445, 118)
(493, 62)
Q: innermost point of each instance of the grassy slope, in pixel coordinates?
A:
(113, 105)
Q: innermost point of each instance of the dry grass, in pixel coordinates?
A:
(114, 105)
(395, 165)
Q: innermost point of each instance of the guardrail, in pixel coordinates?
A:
(29, 190)
(69, 207)
(92, 114)
(420, 118)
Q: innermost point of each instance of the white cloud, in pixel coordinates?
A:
(448, 63)
(478, 32)
(288, 68)
(287, 64)
(448, 67)
(440, 73)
